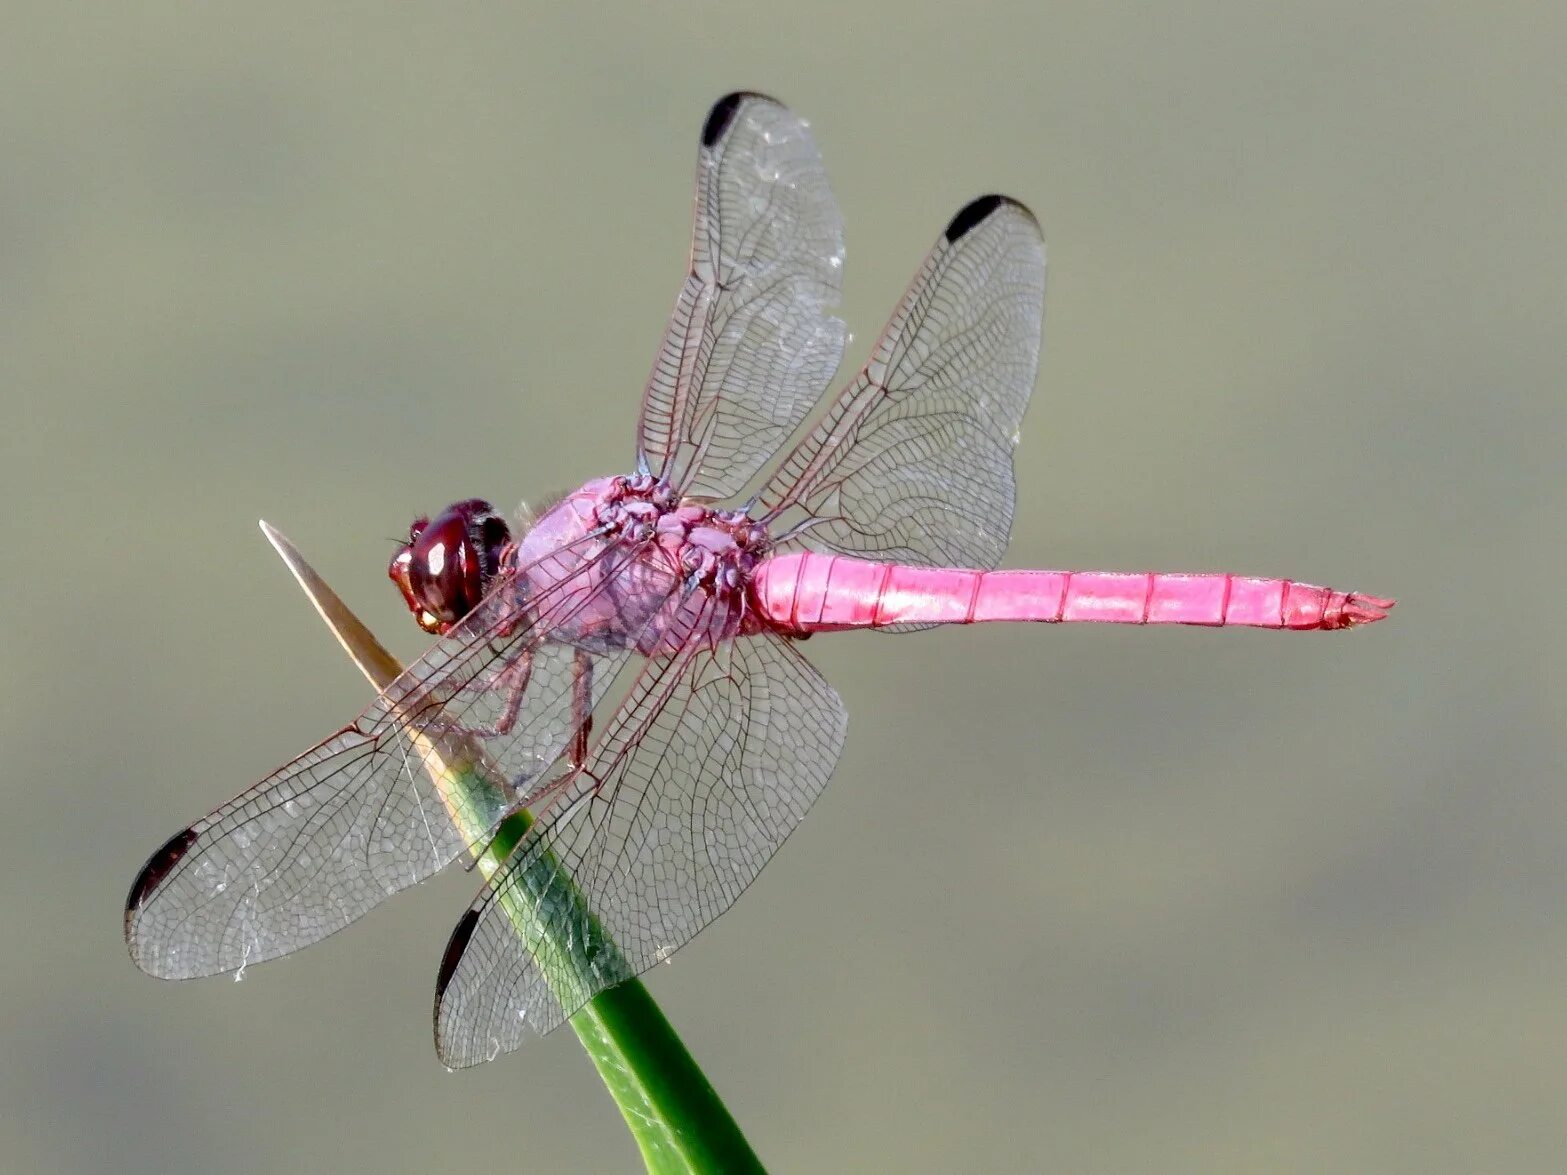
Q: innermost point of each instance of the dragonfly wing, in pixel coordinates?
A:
(710, 763)
(751, 345)
(358, 817)
(913, 461)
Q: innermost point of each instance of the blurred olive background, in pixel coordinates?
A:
(1089, 899)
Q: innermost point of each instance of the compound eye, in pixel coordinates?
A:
(445, 567)
(400, 572)
(444, 572)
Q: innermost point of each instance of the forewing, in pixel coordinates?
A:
(751, 345)
(913, 461)
(358, 817)
(710, 763)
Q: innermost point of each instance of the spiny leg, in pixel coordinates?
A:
(581, 708)
(513, 680)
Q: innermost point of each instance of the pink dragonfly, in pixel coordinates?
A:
(887, 515)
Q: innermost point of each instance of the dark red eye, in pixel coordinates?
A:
(447, 564)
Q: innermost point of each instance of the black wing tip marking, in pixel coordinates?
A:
(152, 875)
(158, 866)
(977, 211)
(455, 946)
(723, 113)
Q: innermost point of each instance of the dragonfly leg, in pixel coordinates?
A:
(514, 681)
(581, 709)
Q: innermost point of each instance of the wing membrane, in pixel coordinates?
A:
(751, 345)
(913, 461)
(358, 817)
(709, 765)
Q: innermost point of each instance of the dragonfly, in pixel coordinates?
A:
(698, 573)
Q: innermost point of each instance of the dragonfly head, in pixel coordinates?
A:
(446, 566)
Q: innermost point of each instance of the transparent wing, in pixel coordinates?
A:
(913, 461)
(751, 345)
(356, 818)
(711, 762)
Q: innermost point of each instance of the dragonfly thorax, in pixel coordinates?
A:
(712, 549)
(628, 560)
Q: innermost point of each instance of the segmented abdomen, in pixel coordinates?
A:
(807, 592)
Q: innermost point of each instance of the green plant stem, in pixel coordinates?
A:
(677, 1119)
(672, 1110)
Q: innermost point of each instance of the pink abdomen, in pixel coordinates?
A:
(808, 592)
